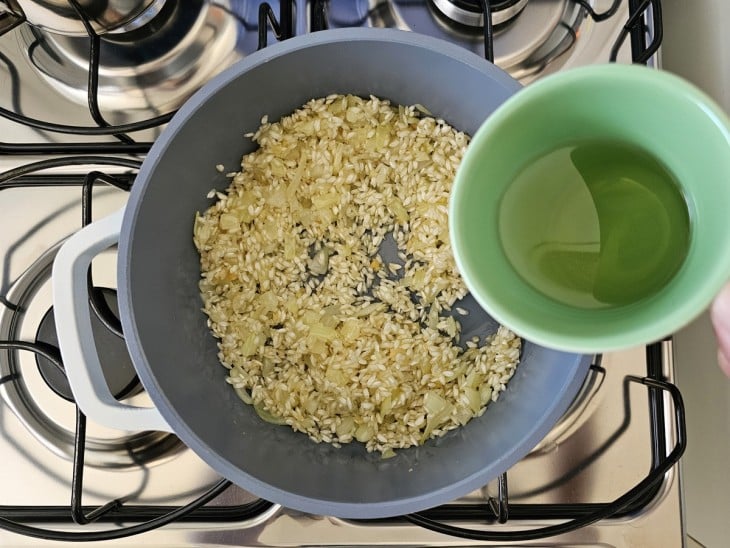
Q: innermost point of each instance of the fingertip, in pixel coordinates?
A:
(720, 310)
(720, 315)
(723, 362)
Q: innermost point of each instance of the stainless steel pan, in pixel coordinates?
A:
(166, 332)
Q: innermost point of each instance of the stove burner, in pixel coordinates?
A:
(116, 364)
(157, 65)
(526, 46)
(104, 16)
(34, 400)
(469, 12)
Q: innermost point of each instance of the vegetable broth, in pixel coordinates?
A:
(595, 224)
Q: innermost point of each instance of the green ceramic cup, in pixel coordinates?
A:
(649, 110)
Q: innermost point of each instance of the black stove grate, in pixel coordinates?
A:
(581, 514)
(19, 518)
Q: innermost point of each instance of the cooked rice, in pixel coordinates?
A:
(316, 329)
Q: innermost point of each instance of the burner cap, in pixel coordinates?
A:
(116, 363)
(155, 66)
(469, 12)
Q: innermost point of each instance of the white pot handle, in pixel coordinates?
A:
(73, 325)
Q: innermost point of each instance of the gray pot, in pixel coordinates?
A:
(166, 331)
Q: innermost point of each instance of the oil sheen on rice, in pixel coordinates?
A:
(595, 224)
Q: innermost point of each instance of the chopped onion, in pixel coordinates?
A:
(229, 222)
(485, 392)
(433, 403)
(399, 212)
(438, 413)
(346, 427)
(319, 264)
(363, 433)
(475, 401)
(350, 329)
(244, 395)
(323, 332)
(386, 405)
(388, 453)
(266, 416)
(250, 345)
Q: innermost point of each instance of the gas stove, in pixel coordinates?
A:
(604, 476)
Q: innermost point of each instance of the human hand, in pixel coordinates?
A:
(720, 314)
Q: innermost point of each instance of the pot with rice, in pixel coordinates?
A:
(331, 306)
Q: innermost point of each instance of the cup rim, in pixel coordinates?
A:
(682, 313)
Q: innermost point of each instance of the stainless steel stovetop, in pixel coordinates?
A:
(605, 445)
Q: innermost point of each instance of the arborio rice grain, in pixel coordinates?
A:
(316, 329)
